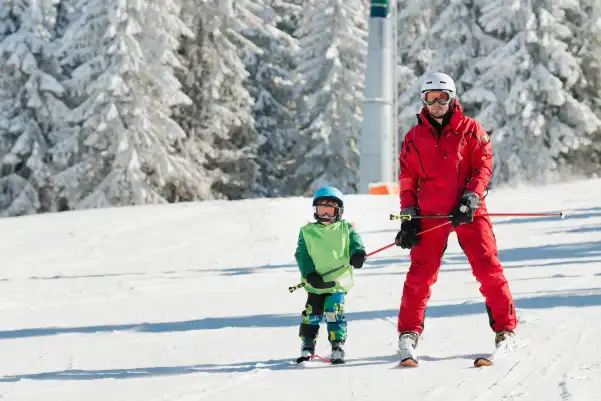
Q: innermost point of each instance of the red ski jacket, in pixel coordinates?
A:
(436, 170)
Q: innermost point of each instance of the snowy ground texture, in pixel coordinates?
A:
(190, 302)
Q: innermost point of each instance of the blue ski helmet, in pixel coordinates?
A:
(330, 193)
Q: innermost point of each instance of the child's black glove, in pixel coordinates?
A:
(357, 259)
(465, 210)
(317, 282)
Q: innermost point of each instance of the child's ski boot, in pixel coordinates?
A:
(337, 357)
(307, 350)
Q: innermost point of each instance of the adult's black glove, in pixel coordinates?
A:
(358, 258)
(317, 282)
(465, 210)
(407, 237)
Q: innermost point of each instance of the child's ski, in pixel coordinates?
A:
(408, 362)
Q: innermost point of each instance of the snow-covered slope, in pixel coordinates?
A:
(190, 302)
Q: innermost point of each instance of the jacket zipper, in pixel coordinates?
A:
(420, 160)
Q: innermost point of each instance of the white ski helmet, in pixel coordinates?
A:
(438, 81)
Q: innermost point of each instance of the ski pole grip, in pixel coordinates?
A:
(406, 217)
(296, 287)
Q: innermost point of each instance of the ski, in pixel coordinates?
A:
(483, 361)
(408, 362)
(504, 348)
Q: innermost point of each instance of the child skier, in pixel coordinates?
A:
(323, 246)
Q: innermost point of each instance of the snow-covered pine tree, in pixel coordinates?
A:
(453, 38)
(525, 86)
(288, 14)
(122, 60)
(415, 19)
(592, 70)
(330, 74)
(195, 117)
(33, 110)
(224, 130)
(65, 13)
(272, 88)
(585, 22)
(9, 23)
(589, 33)
(8, 19)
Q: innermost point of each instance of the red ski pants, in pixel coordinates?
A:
(479, 245)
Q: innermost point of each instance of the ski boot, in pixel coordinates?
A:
(307, 350)
(337, 357)
(505, 339)
(407, 344)
(504, 344)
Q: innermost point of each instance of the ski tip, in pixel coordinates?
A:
(409, 362)
(479, 362)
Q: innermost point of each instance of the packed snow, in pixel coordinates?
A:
(190, 302)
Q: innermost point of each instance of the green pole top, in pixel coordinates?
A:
(379, 8)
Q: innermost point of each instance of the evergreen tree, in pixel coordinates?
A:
(272, 87)
(126, 152)
(330, 72)
(33, 110)
(219, 123)
(585, 22)
(525, 85)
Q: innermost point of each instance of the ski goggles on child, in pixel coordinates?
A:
(325, 210)
(440, 96)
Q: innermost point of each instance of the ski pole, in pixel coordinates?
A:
(408, 217)
(559, 214)
(301, 285)
(394, 243)
(419, 233)
(434, 228)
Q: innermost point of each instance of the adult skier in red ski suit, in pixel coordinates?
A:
(445, 168)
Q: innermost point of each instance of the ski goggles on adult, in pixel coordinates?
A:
(442, 97)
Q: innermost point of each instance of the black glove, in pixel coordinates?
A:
(358, 258)
(317, 282)
(465, 210)
(407, 238)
